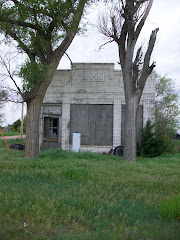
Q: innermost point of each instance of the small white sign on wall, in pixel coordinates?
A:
(76, 142)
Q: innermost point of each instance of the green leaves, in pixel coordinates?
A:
(155, 141)
(167, 105)
(39, 14)
(39, 27)
(39, 21)
(150, 145)
(32, 74)
(157, 138)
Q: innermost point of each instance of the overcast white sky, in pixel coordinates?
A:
(164, 14)
(166, 54)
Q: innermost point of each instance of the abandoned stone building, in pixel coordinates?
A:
(89, 99)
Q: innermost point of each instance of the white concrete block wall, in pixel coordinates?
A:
(104, 87)
(117, 122)
(148, 101)
(65, 119)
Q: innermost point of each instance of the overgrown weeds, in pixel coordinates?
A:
(66, 195)
(170, 208)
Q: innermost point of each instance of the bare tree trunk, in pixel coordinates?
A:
(32, 128)
(130, 130)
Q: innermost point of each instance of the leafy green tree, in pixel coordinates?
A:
(150, 146)
(43, 29)
(15, 126)
(157, 137)
(167, 107)
(154, 144)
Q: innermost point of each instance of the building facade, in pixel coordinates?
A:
(89, 99)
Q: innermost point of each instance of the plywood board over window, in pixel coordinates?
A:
(94, 122)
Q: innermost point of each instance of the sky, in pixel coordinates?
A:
(85, 47)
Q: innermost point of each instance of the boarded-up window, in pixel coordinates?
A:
(51, 129)
(94, 122)
(139, 123)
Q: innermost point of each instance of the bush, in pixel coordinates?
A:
(154, 143)
(150, 146)
(168, 143)
(15, 127)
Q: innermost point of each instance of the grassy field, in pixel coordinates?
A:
(65, 195)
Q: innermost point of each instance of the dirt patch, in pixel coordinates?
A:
(13, 137)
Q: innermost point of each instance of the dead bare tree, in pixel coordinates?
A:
(125, 22)
(9, 68)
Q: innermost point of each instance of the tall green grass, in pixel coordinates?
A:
(170, 208)
(66, 195)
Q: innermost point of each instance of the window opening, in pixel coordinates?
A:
(51, 128)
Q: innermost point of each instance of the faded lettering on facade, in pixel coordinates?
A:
(93, 76)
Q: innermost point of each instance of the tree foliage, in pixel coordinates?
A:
(32, 74)
(153, 143)
(157, 137)
(150, 146)
(43, 29)
(15, 126)
(167, 107)
(38, 25)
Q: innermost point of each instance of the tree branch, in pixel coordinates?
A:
(7, 69)
(22, 24)
(40, 53)
(136, 66)
(58, 53)
(70, 34)
(110, 41)
(115, 35)
(143, 19)
(22, 45)
(150, 48)
(146, 71)
(122, 44)
(16, 2)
